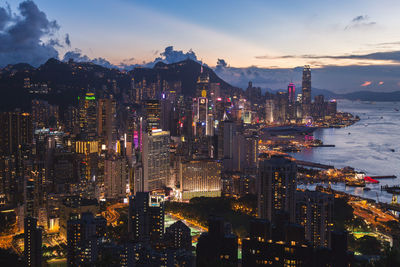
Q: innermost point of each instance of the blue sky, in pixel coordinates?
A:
(238, 31)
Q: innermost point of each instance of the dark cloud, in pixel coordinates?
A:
(67, 40)
(221, 63)
(361, 21)
(21, 35)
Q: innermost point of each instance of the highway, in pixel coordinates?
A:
(111, 214)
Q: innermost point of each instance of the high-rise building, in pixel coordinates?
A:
(32, 243)
(199, 176)
(44, 114)
(306, 91)
(203, 84)
(218, 246)
(88, 117)
(146, 217)
(269, 110)
(291, 93)
(261, 248)
(276, 185)
(106, 120)
(179, 236)
(116, 182)
(155, 159)
(314, 211)
(83, 236)
(152, 110)
(16, 131)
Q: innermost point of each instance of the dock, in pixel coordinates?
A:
(384, 177)
(314, 165)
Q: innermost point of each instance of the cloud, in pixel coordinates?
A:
(77, 56)
(393, 56)
(361, 21)
(21, 35)
(172, 56)
(67, 40)
(366, 83)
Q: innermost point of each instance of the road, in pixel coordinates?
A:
(111, 214)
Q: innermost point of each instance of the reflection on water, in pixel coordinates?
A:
(371, 145)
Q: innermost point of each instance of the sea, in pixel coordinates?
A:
(371, 145)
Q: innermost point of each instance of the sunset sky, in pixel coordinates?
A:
(244, 33)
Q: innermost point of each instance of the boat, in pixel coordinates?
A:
(370, 180)
(396, 109)
(366, 189)
(349, 133)
(356, 183)
(392, 150)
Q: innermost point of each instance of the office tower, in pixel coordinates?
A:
(168, 122)
(227, 141)
(200, 177)
(218, 246)
(201, 121)
(15, 132)
(332, 107)
(71, 119)
(87, 152)
(314, 211)
(146, 217)
(178, 235)
(116, 182)
(83, 236)
(245, 155)
(276, 185)
(291, 93)
(152, 109)
(88, 117)
(203, 84)
(269, 111)
(281, 107)
(155, 159)
(319, 107)
(215, 92)
(106, 120)
(306, 91)
(32, 243)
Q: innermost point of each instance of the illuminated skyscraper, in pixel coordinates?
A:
(276, 185)
(106, 120)
(314, 211)
(306, 91)
(203, 84)
(32, 243)
(269, 110)
(291, 91)
(153, 114)
(155, 159)
(88, 116)
(116, 177)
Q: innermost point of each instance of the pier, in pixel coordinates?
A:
(314, 165)
(394, 189)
